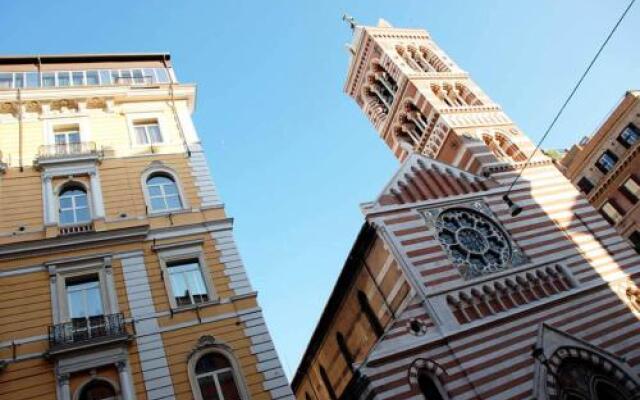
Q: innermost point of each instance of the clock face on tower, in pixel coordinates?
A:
(473, 242)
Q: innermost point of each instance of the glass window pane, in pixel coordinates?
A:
(32, 79)
(105, 77)
(125, 77)
(78, 78)
(170, 188)
(63, 78)
(18, 79)
(94, 301)
(77, 307)
(48, 79)
(180, 288)
(195, 281)
(60, 138)
(149, 76)
(157, 204)
(228, 386)
(73, 137)
(6, 80)
(154, 191)
(141, 135)
(173, 202)
(83, 215)
(162, 75)
(65, 202)
(67, 216)
(159, 180)
(208, 388)
(92, 78)
(632, 187)
(138, 76)
(154, 133)
(81, 201)
(115, 77)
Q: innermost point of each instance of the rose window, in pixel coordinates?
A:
(473, 242)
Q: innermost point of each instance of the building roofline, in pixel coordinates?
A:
(82, 57)
(345, 280)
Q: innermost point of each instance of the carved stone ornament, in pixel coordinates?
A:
(204, 342)
(473, 239)
(7, 108)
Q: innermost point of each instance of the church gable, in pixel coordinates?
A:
(421, 179)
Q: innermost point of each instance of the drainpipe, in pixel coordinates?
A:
(173, 106)
(20, 139)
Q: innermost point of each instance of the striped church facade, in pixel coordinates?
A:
(530, 297)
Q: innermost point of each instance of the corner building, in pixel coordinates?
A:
(449, 291)
(606, 168)
(119, 274)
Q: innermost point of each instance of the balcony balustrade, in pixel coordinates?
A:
(75, 229)
(86, 332)
(56, 153)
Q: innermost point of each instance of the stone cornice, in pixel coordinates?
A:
(33, 247)
(115, 92)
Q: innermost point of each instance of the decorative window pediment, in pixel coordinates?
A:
(473, 239)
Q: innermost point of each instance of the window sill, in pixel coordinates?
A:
(169, 212)
(195, 307)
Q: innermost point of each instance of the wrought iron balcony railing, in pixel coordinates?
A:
(86, 331)
(67, 150)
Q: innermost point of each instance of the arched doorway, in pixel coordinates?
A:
(580, 380)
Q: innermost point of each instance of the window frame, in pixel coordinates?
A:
(634, 244)
(57, 125)
(616, 208)
(580, 187)
(146, 123)
(631, 196)
(226, 352)
(161, 169)
(70, 185)
(165, 132)
(601, 166)
(59, 272)
(171, 254)
(623, 141)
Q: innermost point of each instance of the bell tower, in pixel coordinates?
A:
(419, 100)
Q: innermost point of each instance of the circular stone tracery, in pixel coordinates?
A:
(473, 242)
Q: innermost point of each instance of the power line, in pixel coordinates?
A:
(575, 89)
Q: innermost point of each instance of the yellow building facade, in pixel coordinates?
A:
(119, 274)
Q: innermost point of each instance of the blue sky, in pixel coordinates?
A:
(291, 154)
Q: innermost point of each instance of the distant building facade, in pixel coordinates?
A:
(452, 291)
(119, 273)
(606, 168)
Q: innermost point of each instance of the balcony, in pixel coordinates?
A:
(68, 152)
(81, 333)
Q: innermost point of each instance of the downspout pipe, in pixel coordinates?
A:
(173, 106)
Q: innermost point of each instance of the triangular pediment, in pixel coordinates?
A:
(421, 178)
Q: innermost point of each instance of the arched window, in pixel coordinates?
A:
(163, 193)
(510, 148)
(74, 205)
(216, 378)
(370, 314)
(98, 389)
(580, 380)
(428, 387)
